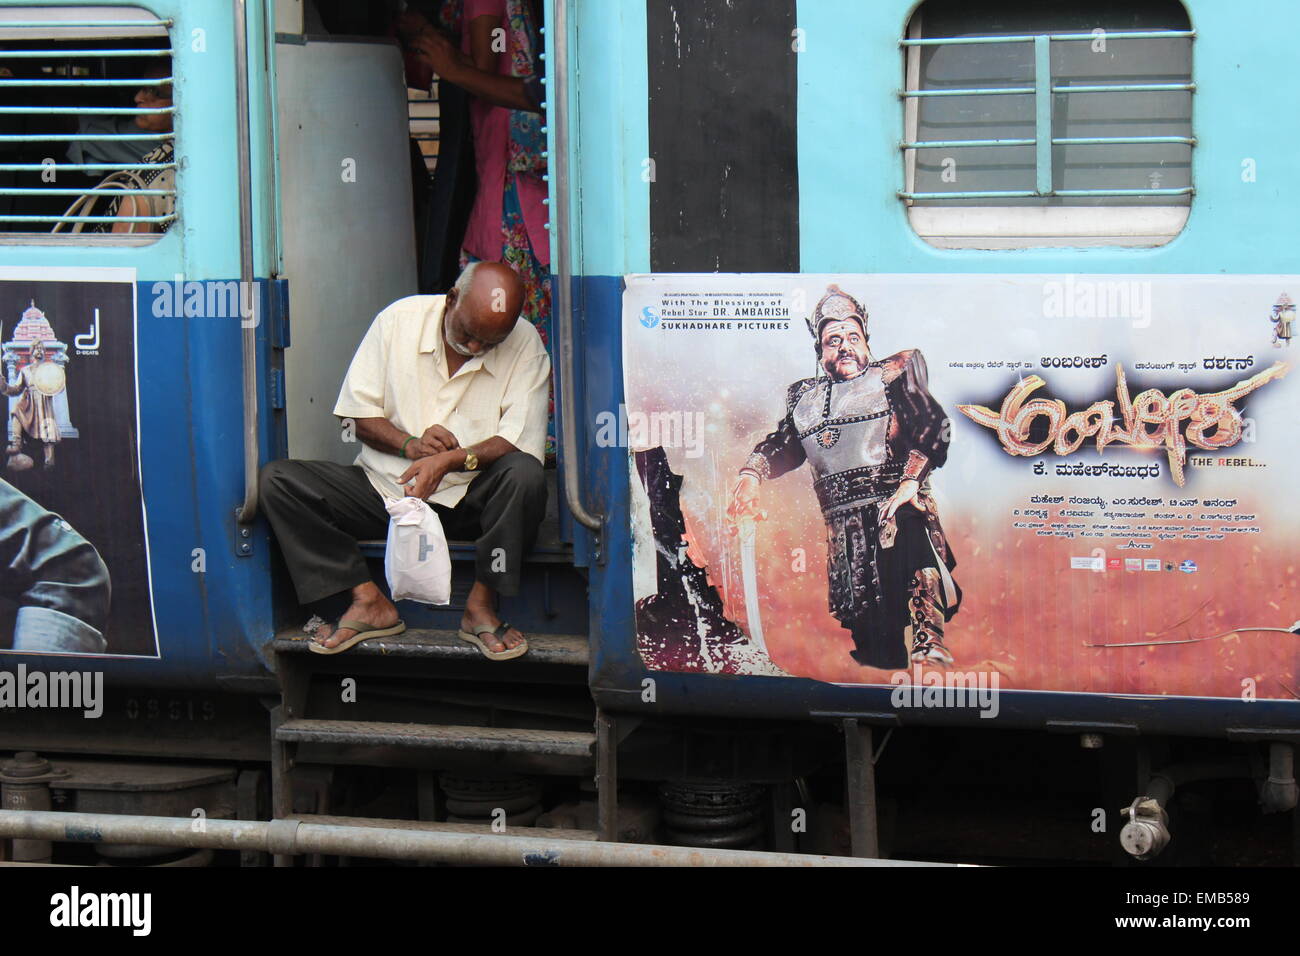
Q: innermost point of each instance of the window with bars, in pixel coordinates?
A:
(1026, 124)
(87, 142)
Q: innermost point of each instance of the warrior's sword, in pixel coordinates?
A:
(749, 573)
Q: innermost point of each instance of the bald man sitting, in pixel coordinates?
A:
(449, 398)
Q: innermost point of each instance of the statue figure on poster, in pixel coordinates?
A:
(36, 383)
(1282, 317)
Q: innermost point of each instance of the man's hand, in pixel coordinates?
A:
(744, 503)
(907, 491)
(423, 478)
(435, 441)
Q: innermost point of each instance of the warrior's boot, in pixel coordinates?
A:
(49, 456)
(926, 612)
(876, 645)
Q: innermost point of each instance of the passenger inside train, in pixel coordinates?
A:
(138, 186)
(496, 64)
(109, 129)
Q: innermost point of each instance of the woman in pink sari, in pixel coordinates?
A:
(497, 64)
(508, 220)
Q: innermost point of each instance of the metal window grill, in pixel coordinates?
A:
(1043, 90)
(76, 70)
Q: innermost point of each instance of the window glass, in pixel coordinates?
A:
(86, 124)
(936, 176)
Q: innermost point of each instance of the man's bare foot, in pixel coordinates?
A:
(480, 610)
(368, 605)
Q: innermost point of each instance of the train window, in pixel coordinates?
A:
(87, 148)
(1030, 124)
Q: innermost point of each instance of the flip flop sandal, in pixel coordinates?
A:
(364, 633)
(500, 632)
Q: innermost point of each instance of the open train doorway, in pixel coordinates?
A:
(381, 191)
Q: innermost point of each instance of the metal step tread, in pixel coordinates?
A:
(564, 649)
(475, 829)
(566, 743)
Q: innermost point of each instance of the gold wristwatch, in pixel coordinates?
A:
(471, 461)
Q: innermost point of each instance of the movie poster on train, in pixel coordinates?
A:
(74, 556)
(1077, 483)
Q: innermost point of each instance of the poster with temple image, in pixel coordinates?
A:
(1077, 483)
(74, 560)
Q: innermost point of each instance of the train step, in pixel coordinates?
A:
(475, 829)
(566, 650)
(494, 740)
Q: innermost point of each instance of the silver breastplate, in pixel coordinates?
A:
(843, 426)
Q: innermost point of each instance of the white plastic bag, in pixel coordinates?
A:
(417, 561)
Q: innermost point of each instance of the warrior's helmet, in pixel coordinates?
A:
(835, 305)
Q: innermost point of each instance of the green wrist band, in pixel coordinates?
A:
(404, 444)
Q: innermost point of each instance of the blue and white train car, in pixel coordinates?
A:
(1062, 234)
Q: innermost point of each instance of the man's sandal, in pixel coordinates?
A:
(499, 632)
(364, 633)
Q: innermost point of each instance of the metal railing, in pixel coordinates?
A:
(248, 333)
(86, 24)
(558, 118)
(290, 837)
(59, 54)
(1043, 92)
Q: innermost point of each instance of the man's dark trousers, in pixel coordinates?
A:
(320, 510)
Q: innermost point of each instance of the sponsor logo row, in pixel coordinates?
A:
(1099, 563)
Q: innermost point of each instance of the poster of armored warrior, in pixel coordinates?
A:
(871, 435)
(1075, 483)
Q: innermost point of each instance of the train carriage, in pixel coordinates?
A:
(1043, 500)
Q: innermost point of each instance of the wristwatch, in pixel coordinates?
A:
(471, 461)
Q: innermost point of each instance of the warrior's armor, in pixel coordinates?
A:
(862, 437)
